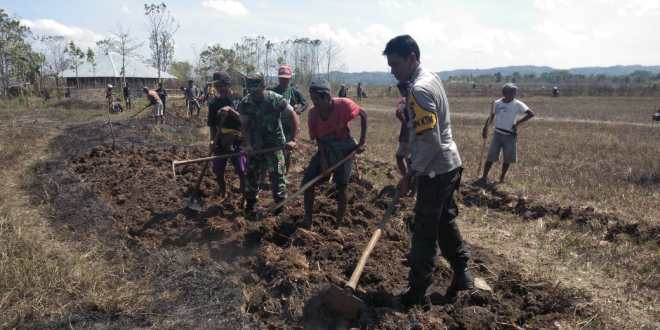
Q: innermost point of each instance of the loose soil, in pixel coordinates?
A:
(274, 273)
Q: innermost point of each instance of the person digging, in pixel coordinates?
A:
(436, 167)
(504, 113)
(154, 100)
(225, 131)
(328, 126)
(295, 99)
(261, 114)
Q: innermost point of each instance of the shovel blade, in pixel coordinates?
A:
(343, 302)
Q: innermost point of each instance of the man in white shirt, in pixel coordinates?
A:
(504, 113)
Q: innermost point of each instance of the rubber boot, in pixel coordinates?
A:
(462, 280)
(413, 297)
(248, 211)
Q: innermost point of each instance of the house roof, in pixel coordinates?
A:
(109, 66)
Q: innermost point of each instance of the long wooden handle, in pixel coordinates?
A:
(204, 159)
(310, 183)
(355, 277)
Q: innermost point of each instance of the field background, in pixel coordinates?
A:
(601, 153)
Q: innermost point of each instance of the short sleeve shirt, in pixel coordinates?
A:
(217, 117)
(506, 114)
(291, 95)
(336, 125)
(265, 119)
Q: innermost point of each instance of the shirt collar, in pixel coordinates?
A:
(416, 73)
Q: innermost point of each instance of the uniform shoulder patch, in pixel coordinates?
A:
(423, 119)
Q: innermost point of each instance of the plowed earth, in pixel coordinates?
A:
(276, 272)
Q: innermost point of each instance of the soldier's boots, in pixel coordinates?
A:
(249, 212)
(462, 280)
(414, 297)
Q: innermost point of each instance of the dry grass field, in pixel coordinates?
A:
(580, 212)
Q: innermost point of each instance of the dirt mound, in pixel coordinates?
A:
(283, 270)
(609, 226)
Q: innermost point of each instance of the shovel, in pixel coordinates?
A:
(343, 301)
(308, 184)
(195, 202)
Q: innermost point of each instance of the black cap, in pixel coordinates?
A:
(221, 77)
(319, 86)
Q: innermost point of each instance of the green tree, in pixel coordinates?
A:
(90, 57)
(182, 70)
(76, 58)
(215, 57)
(17, 60)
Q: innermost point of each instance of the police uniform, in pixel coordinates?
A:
(436, 164)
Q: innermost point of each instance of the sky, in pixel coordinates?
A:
(451, 34)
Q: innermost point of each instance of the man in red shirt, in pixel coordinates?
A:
(328, 126)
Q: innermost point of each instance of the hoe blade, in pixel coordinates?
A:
(343, 302)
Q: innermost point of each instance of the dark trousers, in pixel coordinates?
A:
(435, 227)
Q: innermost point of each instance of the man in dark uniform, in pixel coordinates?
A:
(225, 131)
(436, 167)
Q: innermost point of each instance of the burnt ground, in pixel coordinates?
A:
(214, 269)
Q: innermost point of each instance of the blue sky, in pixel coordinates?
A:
(452, 34)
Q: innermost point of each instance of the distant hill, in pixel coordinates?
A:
(385, 78)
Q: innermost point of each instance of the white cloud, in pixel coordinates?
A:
(425, 29)
(389, 3)
(125, 9)
(228, 7)
(549, 5)
(81, 36)
(639, 8)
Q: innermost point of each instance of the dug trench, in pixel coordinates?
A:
(609, 227)
(215, 269)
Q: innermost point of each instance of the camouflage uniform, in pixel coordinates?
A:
(266, 131)
(294, 98)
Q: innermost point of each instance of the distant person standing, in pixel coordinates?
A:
(436, 167)
(108, 96)
(343, 91)
(127, 96)
(191, 99)
(359, 91)
(555, 91)
(162, 93)
(504, 113)
(295, 99)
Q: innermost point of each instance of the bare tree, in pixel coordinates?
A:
(56, 57)
(162, 27)
(125, 46)
(332, 54)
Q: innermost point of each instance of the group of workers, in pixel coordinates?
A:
(265, 125)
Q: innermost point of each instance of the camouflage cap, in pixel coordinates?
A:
(254, 81)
